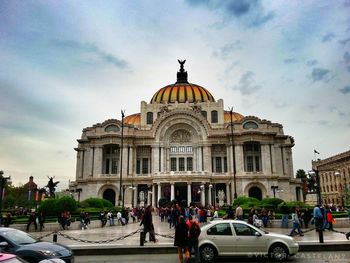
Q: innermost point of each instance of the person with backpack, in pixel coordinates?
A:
(193, 235)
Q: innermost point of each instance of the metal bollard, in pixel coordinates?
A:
(141, 238)
(54, 238)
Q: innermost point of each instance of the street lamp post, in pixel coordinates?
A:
(233, 156)
(121, 199)
(274, 189)
(316, 189)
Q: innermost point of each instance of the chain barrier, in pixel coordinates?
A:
(165, 236)
(89, 241)
(347, 234)
(46, 235)
(98, 241)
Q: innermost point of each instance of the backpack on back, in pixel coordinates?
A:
(194, 230)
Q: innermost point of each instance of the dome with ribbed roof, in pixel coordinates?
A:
(134, 119)
(182, 91)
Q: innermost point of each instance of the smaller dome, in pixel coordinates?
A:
(235, 116)
(134, 119)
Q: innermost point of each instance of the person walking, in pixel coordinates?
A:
(193, 235)
(296, 223)
(239, 212)
(32, 219)
(318, 217)
(41, 219)
(329, 218)
(148, 227)
(181, 240)
(285, 215)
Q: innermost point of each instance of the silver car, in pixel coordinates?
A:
(238, 238)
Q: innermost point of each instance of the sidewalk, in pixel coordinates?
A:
(126, 239)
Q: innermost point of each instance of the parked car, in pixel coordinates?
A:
(238, 238)
(28, 248)
(10, 258)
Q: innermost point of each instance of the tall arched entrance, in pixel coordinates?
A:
(255, 192)
(109, 194)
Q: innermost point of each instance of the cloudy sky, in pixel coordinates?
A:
(66, 65)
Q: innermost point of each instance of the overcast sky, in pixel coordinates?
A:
(66, 65)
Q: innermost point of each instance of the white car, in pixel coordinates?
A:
(238, 238)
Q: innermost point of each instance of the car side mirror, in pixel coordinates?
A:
(257, 234)
(3, 244)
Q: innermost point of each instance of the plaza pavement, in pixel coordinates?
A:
(126, 239)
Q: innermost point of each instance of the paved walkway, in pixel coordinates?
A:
(129, 236)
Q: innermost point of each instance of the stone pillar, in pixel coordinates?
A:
(265, 159)
(159, 192)
(239, 159)
(131, 159)
(154, 201)
(155, 159)
(135, 196)
(189, 196)
(78, 168)
(199, 159)
(167, 160)
(229, 158)
(172, 191)
(207, 159)
(161, 159)
(209, 195)
(125, 161)
(228, 193)
(203, 195)
(98, 161)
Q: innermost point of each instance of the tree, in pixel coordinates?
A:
(301, 174)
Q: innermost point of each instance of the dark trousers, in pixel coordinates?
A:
(194, 246)
(35, 225)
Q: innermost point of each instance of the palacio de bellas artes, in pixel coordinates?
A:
(184, 145)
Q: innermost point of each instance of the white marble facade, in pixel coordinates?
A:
(180, 147)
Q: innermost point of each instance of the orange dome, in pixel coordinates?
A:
(235, 116)
(134, 119)
(182, 92)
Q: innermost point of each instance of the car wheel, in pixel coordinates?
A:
(208, 253)
(278, 252)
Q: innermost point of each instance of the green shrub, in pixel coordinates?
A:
(55, 206)
(270, 203)
(96, 203)
(245, 201)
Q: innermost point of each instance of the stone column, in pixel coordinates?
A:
(172, 191)
(209, 195)
(155, 158)
(154, 201)
(229, 158)
(203, 196)
(78, 168)
(125, 161)
(189, 196)
(162, 159)
(135, 196)
(228, 193)
(239, 159)
(207, 159)
(199, 159)
(98, 161)
(159, 192)
(265, 159)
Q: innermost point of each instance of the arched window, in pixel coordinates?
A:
(204, 113)
(252, 157)
(149, 117)
(250, 125)
(112, 128)
(214, 116)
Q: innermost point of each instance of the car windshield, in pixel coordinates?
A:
(18, 237)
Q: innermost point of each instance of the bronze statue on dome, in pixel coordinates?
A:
(182, 65)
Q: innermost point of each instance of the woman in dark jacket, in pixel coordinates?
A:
(181, 240)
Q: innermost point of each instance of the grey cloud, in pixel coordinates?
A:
(337, 111)
(311, 62)
(345, 90)
(319, 74)
(90, 48)
(348, 68)
(247, 84)
(290, 60)
(347, 57)
(228, 49)
(328, 37)
(323, 122)
(344, 41)
(251, 11)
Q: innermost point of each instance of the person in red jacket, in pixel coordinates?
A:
(329, 218)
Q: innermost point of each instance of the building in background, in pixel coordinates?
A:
(183, 145)
(335, 188)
